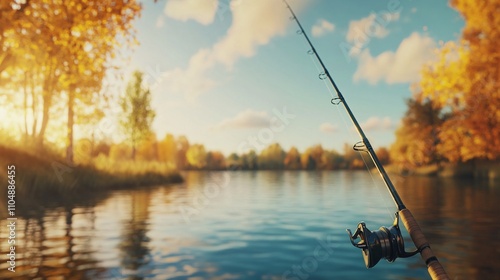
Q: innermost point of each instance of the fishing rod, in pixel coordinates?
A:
(386, 242)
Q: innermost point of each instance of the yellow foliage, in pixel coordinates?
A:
(167, 150)
(197, 156)
(148, 149)
(131, 167)
(118, 152)
(464, 81)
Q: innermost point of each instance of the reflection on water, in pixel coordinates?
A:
(254, 225)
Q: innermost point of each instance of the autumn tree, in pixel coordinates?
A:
(182, 148)
(464, 82)
(312, 158)
(233, 161)
(417, 137)
(60, 52)
(196, 156)
(147, 149)
(331, 160)
(272, 157)
(137, 114)
(90, 32)
(292, 159)
(353, 159)
(167, 150)
(119, 152)
(13, 16)
(383, 155)
(215, 160)
(249, 160)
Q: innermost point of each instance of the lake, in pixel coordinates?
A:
(256, 225)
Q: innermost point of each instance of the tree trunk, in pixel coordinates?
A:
(133, 151)
(47, 102)
(33, 107)
(71, 101)
(25, 107)
(47, 99)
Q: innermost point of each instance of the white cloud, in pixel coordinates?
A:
(254, 23)
(328, 128)
(401, 66)
(322, 27)
(245, 119)
(374, 25)
(160, 22)
(192, 81)
(376, 123)
(184, 10)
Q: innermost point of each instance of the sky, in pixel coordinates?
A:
(235, 75)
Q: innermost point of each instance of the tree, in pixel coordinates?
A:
(182, 148)
(249, 161)
(383, 155)
(332, 160)
(417, 137)
(464, 82)
(60, 51)
(234, 161)
(215, 160)
(292, 159)
(89, 34)
(148, 148)
(197, 156)
(353, 159)
(119, 152)
(167, 150)
(272, 157)
(312, 158)
(137, 112)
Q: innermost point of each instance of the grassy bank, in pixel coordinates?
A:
(50, 176)
(472, 169)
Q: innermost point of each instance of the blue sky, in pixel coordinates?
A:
(220, 70)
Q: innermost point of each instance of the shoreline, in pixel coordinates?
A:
(39, 177)
(472, 170)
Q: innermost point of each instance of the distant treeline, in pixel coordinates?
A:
(177, 152)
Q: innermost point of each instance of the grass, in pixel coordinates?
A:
(51, 176)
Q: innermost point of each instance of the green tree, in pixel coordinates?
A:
(137, 112)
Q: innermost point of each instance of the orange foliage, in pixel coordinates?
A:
(465, 82)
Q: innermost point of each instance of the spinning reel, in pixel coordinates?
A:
(383, 243)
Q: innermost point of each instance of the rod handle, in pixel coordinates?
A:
(434, 267)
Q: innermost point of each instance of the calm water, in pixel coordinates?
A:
(256, 225)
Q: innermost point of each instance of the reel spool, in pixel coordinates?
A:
(383, 243)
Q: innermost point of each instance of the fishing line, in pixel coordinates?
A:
(341, 114)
